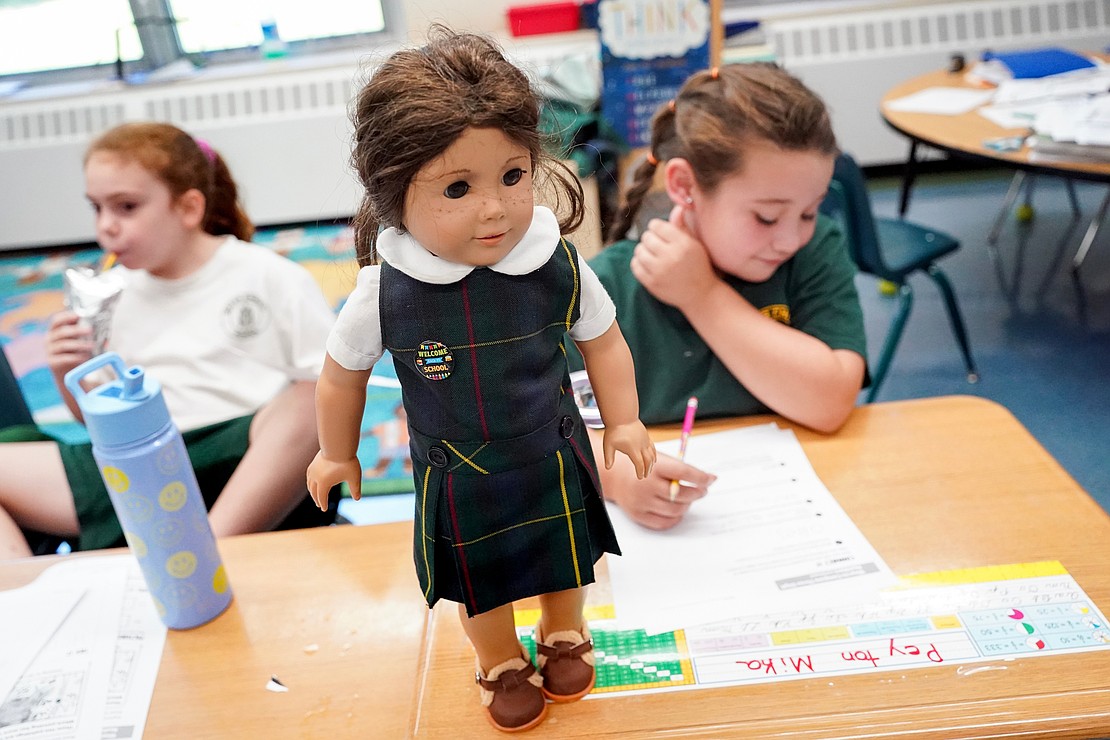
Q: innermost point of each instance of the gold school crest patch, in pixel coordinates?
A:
(780, 312)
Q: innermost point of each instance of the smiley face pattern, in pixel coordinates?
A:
(156, 498)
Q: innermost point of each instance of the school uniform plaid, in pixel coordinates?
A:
(508, 502)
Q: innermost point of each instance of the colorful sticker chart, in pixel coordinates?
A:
(951, 617)
(627, 659)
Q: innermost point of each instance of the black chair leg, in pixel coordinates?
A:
(909, 174)
(957, 320)
(893, 336)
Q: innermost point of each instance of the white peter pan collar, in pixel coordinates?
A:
(535, 248)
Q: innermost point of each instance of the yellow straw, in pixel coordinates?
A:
(108, 262)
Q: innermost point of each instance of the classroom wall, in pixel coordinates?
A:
(485, 16)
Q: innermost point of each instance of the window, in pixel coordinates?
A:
(65, 33)
(206, 26)
(82, 39)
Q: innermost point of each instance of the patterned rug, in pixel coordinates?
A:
(31, 290)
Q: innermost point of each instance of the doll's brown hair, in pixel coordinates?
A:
(716, 115)
(418, 102)
(182, 163)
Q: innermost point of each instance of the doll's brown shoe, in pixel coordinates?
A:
(512, 695)
(566, 661)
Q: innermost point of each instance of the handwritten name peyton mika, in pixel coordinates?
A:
(804, 663)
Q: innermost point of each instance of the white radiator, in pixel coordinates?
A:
(285, 137)
(285, 132)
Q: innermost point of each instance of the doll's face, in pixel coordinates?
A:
(472, 204)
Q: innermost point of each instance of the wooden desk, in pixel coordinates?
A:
(350, 590)
(934, 484)
(963, 136)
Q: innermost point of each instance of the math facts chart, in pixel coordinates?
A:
(953, 617)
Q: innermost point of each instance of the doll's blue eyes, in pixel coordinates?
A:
(458, 189)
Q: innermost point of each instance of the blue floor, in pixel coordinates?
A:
(1038, 352)
(1042, 344)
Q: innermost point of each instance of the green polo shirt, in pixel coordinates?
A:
(813, 292)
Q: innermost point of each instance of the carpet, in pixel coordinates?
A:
(31, 290)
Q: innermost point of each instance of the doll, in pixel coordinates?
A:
(472, 289)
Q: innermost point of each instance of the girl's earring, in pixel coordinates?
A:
(689, 200)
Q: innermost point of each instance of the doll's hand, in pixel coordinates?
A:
(671, 263)
(648, 502)
(632, 439)
(323, 474)
(69, 342)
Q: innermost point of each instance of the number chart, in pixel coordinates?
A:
(951, 617)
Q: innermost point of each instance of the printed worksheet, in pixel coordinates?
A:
(29, 617)
(769, 537)
(95, 675)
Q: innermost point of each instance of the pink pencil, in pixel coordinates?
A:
(687, 427)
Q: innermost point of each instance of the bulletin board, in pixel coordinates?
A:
(648, 49)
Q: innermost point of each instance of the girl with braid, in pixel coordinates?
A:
(743, 296)
(472, 289)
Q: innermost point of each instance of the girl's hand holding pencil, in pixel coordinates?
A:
(647, 502)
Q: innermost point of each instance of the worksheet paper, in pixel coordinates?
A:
(94, 676)
(944, 101)
(769, 537)
(29, 617)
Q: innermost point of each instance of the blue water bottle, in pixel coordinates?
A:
(153, 488)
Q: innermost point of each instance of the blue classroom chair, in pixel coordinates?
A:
(892, 249)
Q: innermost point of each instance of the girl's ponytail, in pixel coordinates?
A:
(662, 137)
(633, 200)
(224, 214)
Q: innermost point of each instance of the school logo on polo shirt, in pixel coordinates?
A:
(246, 316)
(780, 312)
(434, 360)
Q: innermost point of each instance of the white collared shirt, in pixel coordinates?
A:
(356, 339)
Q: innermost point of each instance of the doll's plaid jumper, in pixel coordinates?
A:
(508, 502)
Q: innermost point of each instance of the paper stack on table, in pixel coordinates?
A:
(1084, 121)
(1068, 114)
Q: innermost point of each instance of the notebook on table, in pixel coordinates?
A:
(1036, 63)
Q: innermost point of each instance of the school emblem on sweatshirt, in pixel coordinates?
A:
(434, 360)
(246, 316)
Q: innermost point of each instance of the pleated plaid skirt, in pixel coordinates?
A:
(505, 520)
